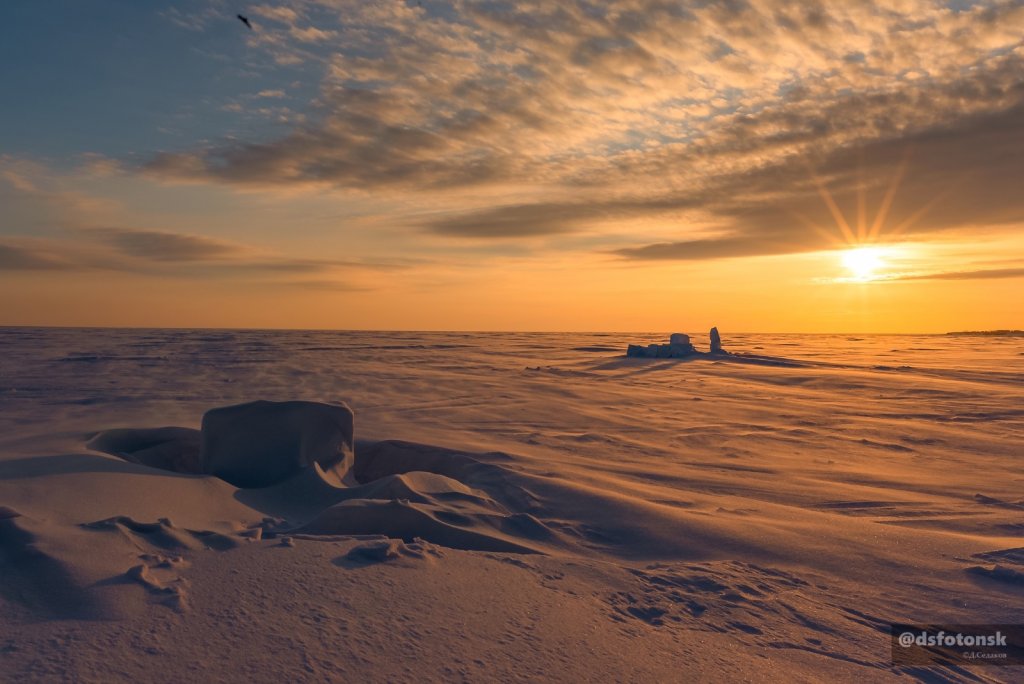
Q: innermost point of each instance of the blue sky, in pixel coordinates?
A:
(125, 78)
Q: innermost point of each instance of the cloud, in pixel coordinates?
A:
(983, 274)
(713, 124)
(513, 221)
(284, 265)
(15, 258)
(48, 228)
(281, 14)
(712, 248)
(196, 20)
(917, 184)
(151, 253)
(328, 286)
(155, 245)
(162, 247)
(311, 34)
(940, 178)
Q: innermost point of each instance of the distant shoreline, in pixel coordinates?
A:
(989, 333)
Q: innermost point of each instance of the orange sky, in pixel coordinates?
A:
(522, 166)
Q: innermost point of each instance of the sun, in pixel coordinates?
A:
(863, 262)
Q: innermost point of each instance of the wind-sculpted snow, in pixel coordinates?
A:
(508, 506)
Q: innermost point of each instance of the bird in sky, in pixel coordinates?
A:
(245, 20)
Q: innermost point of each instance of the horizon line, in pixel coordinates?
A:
(470, 331)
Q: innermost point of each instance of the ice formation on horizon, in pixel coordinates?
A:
(678, 347)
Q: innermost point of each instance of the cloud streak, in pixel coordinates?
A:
(982, 274)
(152, 253)
(16, 258)
(153, 245)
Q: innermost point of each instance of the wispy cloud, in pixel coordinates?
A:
(523, 220)
(16, 258)
(154, 245)
(151, 253)
(278, 13)
(982, 274)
